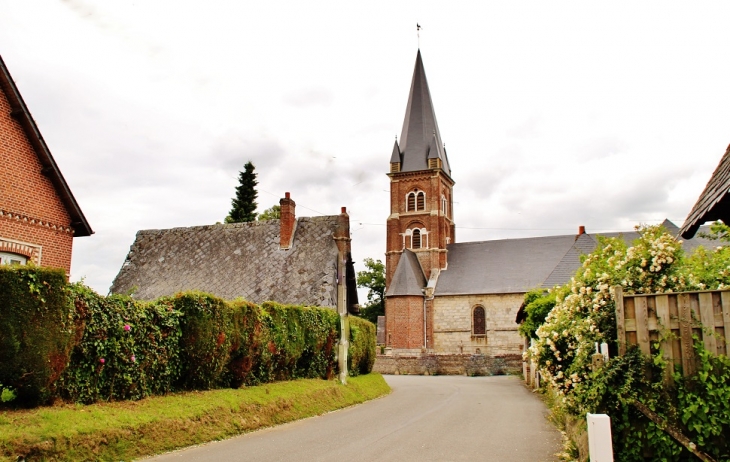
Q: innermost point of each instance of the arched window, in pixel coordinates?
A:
(479, 321)
(415, 200)
(443, 206)
(420, 200)
(416, 239)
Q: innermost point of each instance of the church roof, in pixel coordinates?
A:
(714, 202)
(235, 260)
(420, 138)
(518, 265)
(20, 112)
(408, 278)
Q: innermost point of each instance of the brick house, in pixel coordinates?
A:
(290, 260)
(454, 298)
(39, 216)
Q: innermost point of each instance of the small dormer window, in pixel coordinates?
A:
(12, 259)
(395, 167)
(434, 163)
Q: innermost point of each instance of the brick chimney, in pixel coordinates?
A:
(581, 230)
(287, 222)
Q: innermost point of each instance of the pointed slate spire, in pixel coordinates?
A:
(408, 278)
(395, 157)
(420, 127)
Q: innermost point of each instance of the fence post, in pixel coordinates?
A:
(600, 447)
(618, 293)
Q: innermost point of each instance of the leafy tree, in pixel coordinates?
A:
(243, 206)
(537, 306)
(373, 278)
(272, 213)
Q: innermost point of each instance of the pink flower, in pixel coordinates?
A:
(102, 360)
(133, 358)
(127, 327)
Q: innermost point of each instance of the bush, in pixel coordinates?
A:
(361, 356)
(36, 331)
(205, 342)
(125, 349)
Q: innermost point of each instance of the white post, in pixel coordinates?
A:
(600, 447)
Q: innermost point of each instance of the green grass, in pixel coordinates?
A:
(128, 429)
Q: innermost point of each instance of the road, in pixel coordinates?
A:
(441, 418)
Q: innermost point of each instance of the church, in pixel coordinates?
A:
(459, 298)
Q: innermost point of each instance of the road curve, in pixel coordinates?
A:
(442, 418)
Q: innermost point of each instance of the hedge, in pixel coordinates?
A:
(60, 340)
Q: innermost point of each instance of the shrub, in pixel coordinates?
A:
(205, 342)
(361, 355)
(126, 349)
(36, 330)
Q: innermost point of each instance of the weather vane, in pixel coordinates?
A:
(418, 34)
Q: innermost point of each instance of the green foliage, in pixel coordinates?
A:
(125, 349)
(584, 314)
(205, 342)
(65, 340)
(243, 206)
(36, 330)
(537, 306)
(272, 213)
(373, 278)
(361, 355)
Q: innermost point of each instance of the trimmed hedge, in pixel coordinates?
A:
(36, 330)
(64, 340)
(361, 354)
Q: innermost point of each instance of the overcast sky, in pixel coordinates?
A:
(554, 114)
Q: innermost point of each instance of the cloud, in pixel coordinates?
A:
(308, 97)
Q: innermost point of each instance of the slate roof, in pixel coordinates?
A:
(420, 138)
(714, 202)
(408, 278)
(518, 265)
(235, 260)
(21, 113)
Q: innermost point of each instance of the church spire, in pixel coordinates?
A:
(420, 139)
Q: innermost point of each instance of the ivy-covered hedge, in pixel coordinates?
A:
(64, 340)
(361, 355)
(36, 331)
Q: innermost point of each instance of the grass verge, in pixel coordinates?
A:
(130, 429)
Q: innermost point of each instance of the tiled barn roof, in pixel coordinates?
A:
(235, 260)
(714, 202)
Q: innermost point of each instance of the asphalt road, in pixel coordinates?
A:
(441, 418)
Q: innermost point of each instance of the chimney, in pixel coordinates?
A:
(287, 222)
(581, 230)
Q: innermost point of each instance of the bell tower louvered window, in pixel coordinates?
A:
(411, 202)
(421, 200)
(479, 325)
(416, 239)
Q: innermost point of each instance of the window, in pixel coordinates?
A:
(415, 200)
(416, 239)
(479, 321)
(12, 259)
(443, 205)
(411, 202)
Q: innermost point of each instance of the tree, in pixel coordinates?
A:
(373, 278)
(272, 213)
(243, 206)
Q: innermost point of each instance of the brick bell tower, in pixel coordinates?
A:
(421, 221)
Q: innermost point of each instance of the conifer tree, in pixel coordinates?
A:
(243, 206)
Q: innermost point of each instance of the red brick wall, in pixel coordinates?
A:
(32, 211)
(404, 322)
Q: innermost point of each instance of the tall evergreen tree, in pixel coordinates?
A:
(243, 206)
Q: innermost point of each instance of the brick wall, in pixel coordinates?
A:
(404, 321)
(452, 324)
(30, 210)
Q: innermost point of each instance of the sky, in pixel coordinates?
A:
(554, 114)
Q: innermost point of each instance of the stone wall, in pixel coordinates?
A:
(452, 324)
(448, 364)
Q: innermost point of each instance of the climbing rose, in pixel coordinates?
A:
(133, 358)
(127, 327)
(101, 360)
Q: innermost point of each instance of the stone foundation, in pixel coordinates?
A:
(448, 364)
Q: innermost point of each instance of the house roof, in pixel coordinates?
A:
(21, 113)
(518, 265)
(420, 138)
(714, 202)
(235, 260)
(408, 278)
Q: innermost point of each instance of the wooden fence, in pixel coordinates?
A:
(672, 319)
